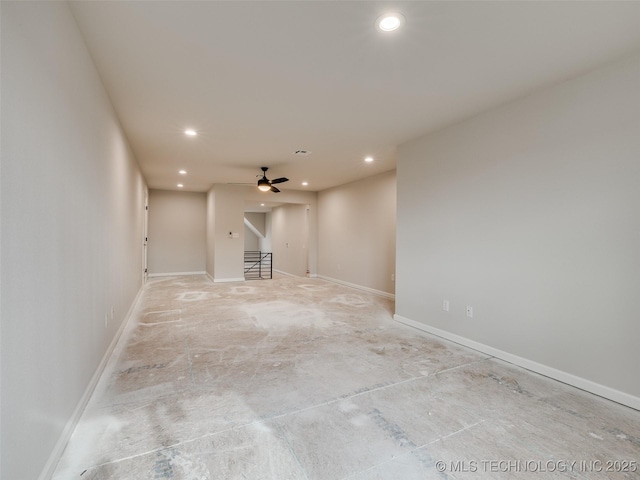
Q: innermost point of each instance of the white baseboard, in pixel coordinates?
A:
(224, 280)
(358, 287)
(58, 450)
(309, 275)
(286, 273)
(175, 274)
(227, 280)
(564, 377)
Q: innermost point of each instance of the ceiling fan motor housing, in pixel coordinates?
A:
(265, 184)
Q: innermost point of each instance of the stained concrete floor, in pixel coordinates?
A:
(297, 378)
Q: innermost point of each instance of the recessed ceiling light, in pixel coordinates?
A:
(262, 204)
(191, 132)
(180, 185)
(182, 172)
(368, 159)
(304, 184)
(390, 21)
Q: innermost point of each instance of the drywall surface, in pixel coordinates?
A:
(225, 215)
(290, 238)
(72, 211)
(225, 233)
(530, 214)
(251, 241)
(293, 197)
(257, 220)
(265, 243)
(211, 231)
(177, 232)
(357, 232)
(254, 236)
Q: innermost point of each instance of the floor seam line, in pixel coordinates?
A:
(177, 444)
(413, 450)
(260, 420)
(358, 394)
(290, 448)
(447, 370)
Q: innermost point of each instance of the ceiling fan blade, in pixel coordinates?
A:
(280, 180)
(274, 189)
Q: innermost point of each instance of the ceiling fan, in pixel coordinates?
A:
(264, 184)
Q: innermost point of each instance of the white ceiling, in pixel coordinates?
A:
(261, 79)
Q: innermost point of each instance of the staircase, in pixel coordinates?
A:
(257, 265)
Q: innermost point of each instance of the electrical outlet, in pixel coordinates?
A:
(112, 312)
(469, 311)
(106, 320)
(393, 277)
(445, 305)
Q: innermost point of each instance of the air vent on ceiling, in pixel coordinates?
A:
(302, 153)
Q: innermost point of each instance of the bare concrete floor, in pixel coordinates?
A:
(303, 379)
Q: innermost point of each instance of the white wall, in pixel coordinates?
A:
(226, 217)
(290, 239)
(211, 232)
(225, 213)
(357, 232)
(72, 214)
(265, 243)
(257, 219)
(275, 235)
(177, 232)
(251, 241)
(530, 214)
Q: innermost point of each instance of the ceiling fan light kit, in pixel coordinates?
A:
(265, 185)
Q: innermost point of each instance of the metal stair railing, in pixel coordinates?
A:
(258, 265)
